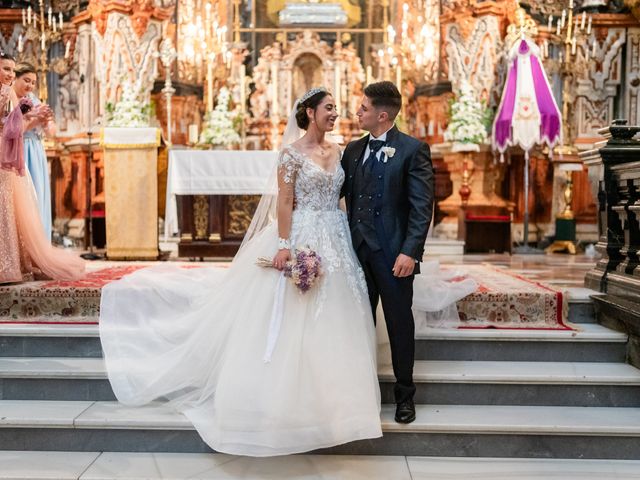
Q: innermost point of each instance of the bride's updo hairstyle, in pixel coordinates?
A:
(311, 99)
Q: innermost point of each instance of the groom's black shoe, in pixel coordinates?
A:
(405, 412)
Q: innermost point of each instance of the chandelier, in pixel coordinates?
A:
(412, 49)
(202, 47)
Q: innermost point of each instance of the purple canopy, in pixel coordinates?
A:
(528, 114)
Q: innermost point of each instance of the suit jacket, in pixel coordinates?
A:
(408, 191)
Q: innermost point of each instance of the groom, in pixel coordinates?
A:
(389, 196)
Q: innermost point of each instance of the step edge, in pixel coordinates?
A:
(419, 379)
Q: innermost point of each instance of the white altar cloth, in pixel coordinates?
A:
(214, 172)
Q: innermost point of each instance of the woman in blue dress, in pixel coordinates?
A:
(34, 153)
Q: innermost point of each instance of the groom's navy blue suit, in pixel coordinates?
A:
(389, 204)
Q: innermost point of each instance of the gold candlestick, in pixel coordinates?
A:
(44, 31)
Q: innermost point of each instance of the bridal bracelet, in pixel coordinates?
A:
(284, 243)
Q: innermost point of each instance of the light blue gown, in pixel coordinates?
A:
(35, 158)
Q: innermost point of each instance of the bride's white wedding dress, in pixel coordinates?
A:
(197, 337)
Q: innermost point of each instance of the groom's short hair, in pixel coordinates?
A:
(385, 96)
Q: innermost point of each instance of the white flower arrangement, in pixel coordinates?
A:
(129, 111)
(467, 127)
(220, 124)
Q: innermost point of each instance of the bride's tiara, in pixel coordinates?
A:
(311, 93)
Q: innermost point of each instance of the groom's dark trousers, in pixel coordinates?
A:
(389, 205)
(397, 296)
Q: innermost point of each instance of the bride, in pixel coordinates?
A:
(259, 368)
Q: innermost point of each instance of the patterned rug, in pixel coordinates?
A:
(502, 300)
(508, 300)
(76, 302)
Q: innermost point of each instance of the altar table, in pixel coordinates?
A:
(211, 197)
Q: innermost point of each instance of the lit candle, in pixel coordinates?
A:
(589, 26)
(53, 24)
(243, 88)
(290, 87)
(337, 89)
(210, 85)
(593, 49)
(24, 17)
(274, 83)
(573, 46)
(564, 17)
(570, 3)
(67, 49)
(193, 134)
(550, 23)
(20, 44)
(558, 27)
(49, 14)
(29, 15)
(583, 19)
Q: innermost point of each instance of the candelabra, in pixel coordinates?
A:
(167, 56)
(414, 51)
(203, 43)
(44, 27)
(570, 32)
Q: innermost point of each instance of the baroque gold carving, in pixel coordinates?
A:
(634, 6)
(201, 216)
(241, 210)
(141, 13)
(98, 12)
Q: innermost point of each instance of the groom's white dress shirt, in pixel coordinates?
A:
(367, 150)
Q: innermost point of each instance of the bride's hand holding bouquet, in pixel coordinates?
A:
(303, 269)
(281, 258)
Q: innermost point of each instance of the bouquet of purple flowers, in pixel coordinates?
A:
(303, 270)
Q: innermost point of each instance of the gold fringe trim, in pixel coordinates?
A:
(131, 146)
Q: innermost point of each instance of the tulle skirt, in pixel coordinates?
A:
(23, 245)
(197, 338)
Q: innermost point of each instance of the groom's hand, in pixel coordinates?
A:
(404, 266)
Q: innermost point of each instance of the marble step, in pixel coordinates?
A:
(212, 466)
(439, 430)
(437, 382)
(591, 343)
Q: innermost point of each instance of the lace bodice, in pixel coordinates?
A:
(318, 222)
(314, 187)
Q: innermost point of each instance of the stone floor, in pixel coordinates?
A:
(556, 269)
(132, 466)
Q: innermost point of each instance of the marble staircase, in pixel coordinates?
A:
(481, 393)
